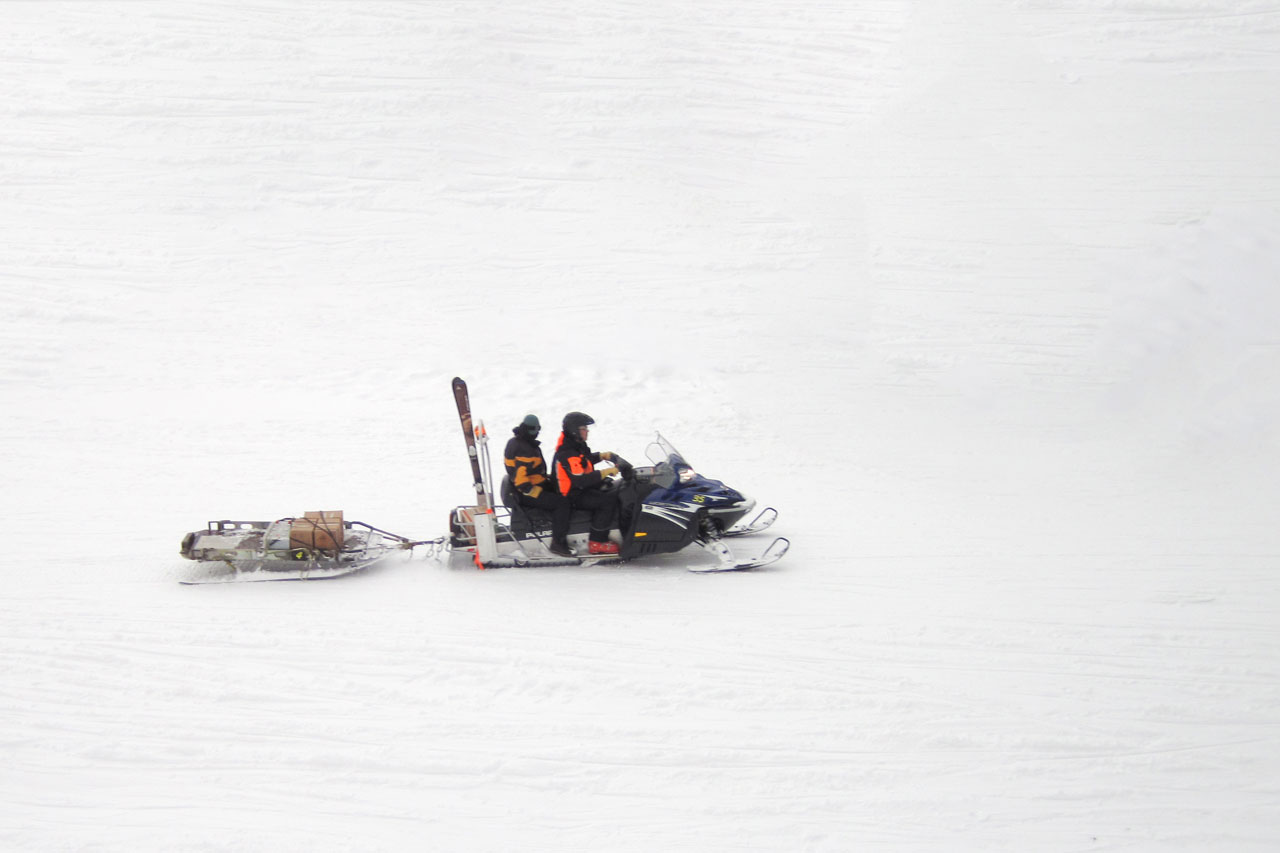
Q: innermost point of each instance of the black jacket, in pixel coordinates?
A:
(526, 465)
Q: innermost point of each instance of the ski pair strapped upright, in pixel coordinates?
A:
(477, 440)
(484, 498)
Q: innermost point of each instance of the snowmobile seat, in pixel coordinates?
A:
(508, 493)
(525, 519)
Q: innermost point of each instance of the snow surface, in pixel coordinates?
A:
(982, 296)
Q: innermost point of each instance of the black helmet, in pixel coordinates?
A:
(575, 421)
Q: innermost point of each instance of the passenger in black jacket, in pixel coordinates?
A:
(527, 468)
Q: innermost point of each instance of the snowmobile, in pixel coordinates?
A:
(665, 507)
(318, 545)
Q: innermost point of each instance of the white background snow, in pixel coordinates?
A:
(982, 296)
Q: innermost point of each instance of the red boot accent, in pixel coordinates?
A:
(596, 549)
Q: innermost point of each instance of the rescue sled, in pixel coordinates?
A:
(318, 545)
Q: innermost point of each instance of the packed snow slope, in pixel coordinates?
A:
(982, 296)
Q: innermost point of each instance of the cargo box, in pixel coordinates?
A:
(317, 531)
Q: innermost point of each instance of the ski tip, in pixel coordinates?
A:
(770, 555)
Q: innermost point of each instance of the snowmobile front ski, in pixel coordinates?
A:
(728, 563)
(766, 517)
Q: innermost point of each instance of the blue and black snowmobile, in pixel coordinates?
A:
(664, 508)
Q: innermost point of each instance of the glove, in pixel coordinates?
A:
(606, 455)
(608, 472)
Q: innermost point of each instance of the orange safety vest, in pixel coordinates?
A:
(576, 470)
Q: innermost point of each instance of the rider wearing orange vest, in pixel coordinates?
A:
(575, 471)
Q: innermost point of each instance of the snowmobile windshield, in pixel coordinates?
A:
(660, 450)
(666, 459)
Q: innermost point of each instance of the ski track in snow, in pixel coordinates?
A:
(981, 297)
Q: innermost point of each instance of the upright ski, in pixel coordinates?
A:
(463, 400)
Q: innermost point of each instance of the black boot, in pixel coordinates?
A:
(560, 547)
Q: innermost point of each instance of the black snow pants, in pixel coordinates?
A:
(557, 506)
(603, 507)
